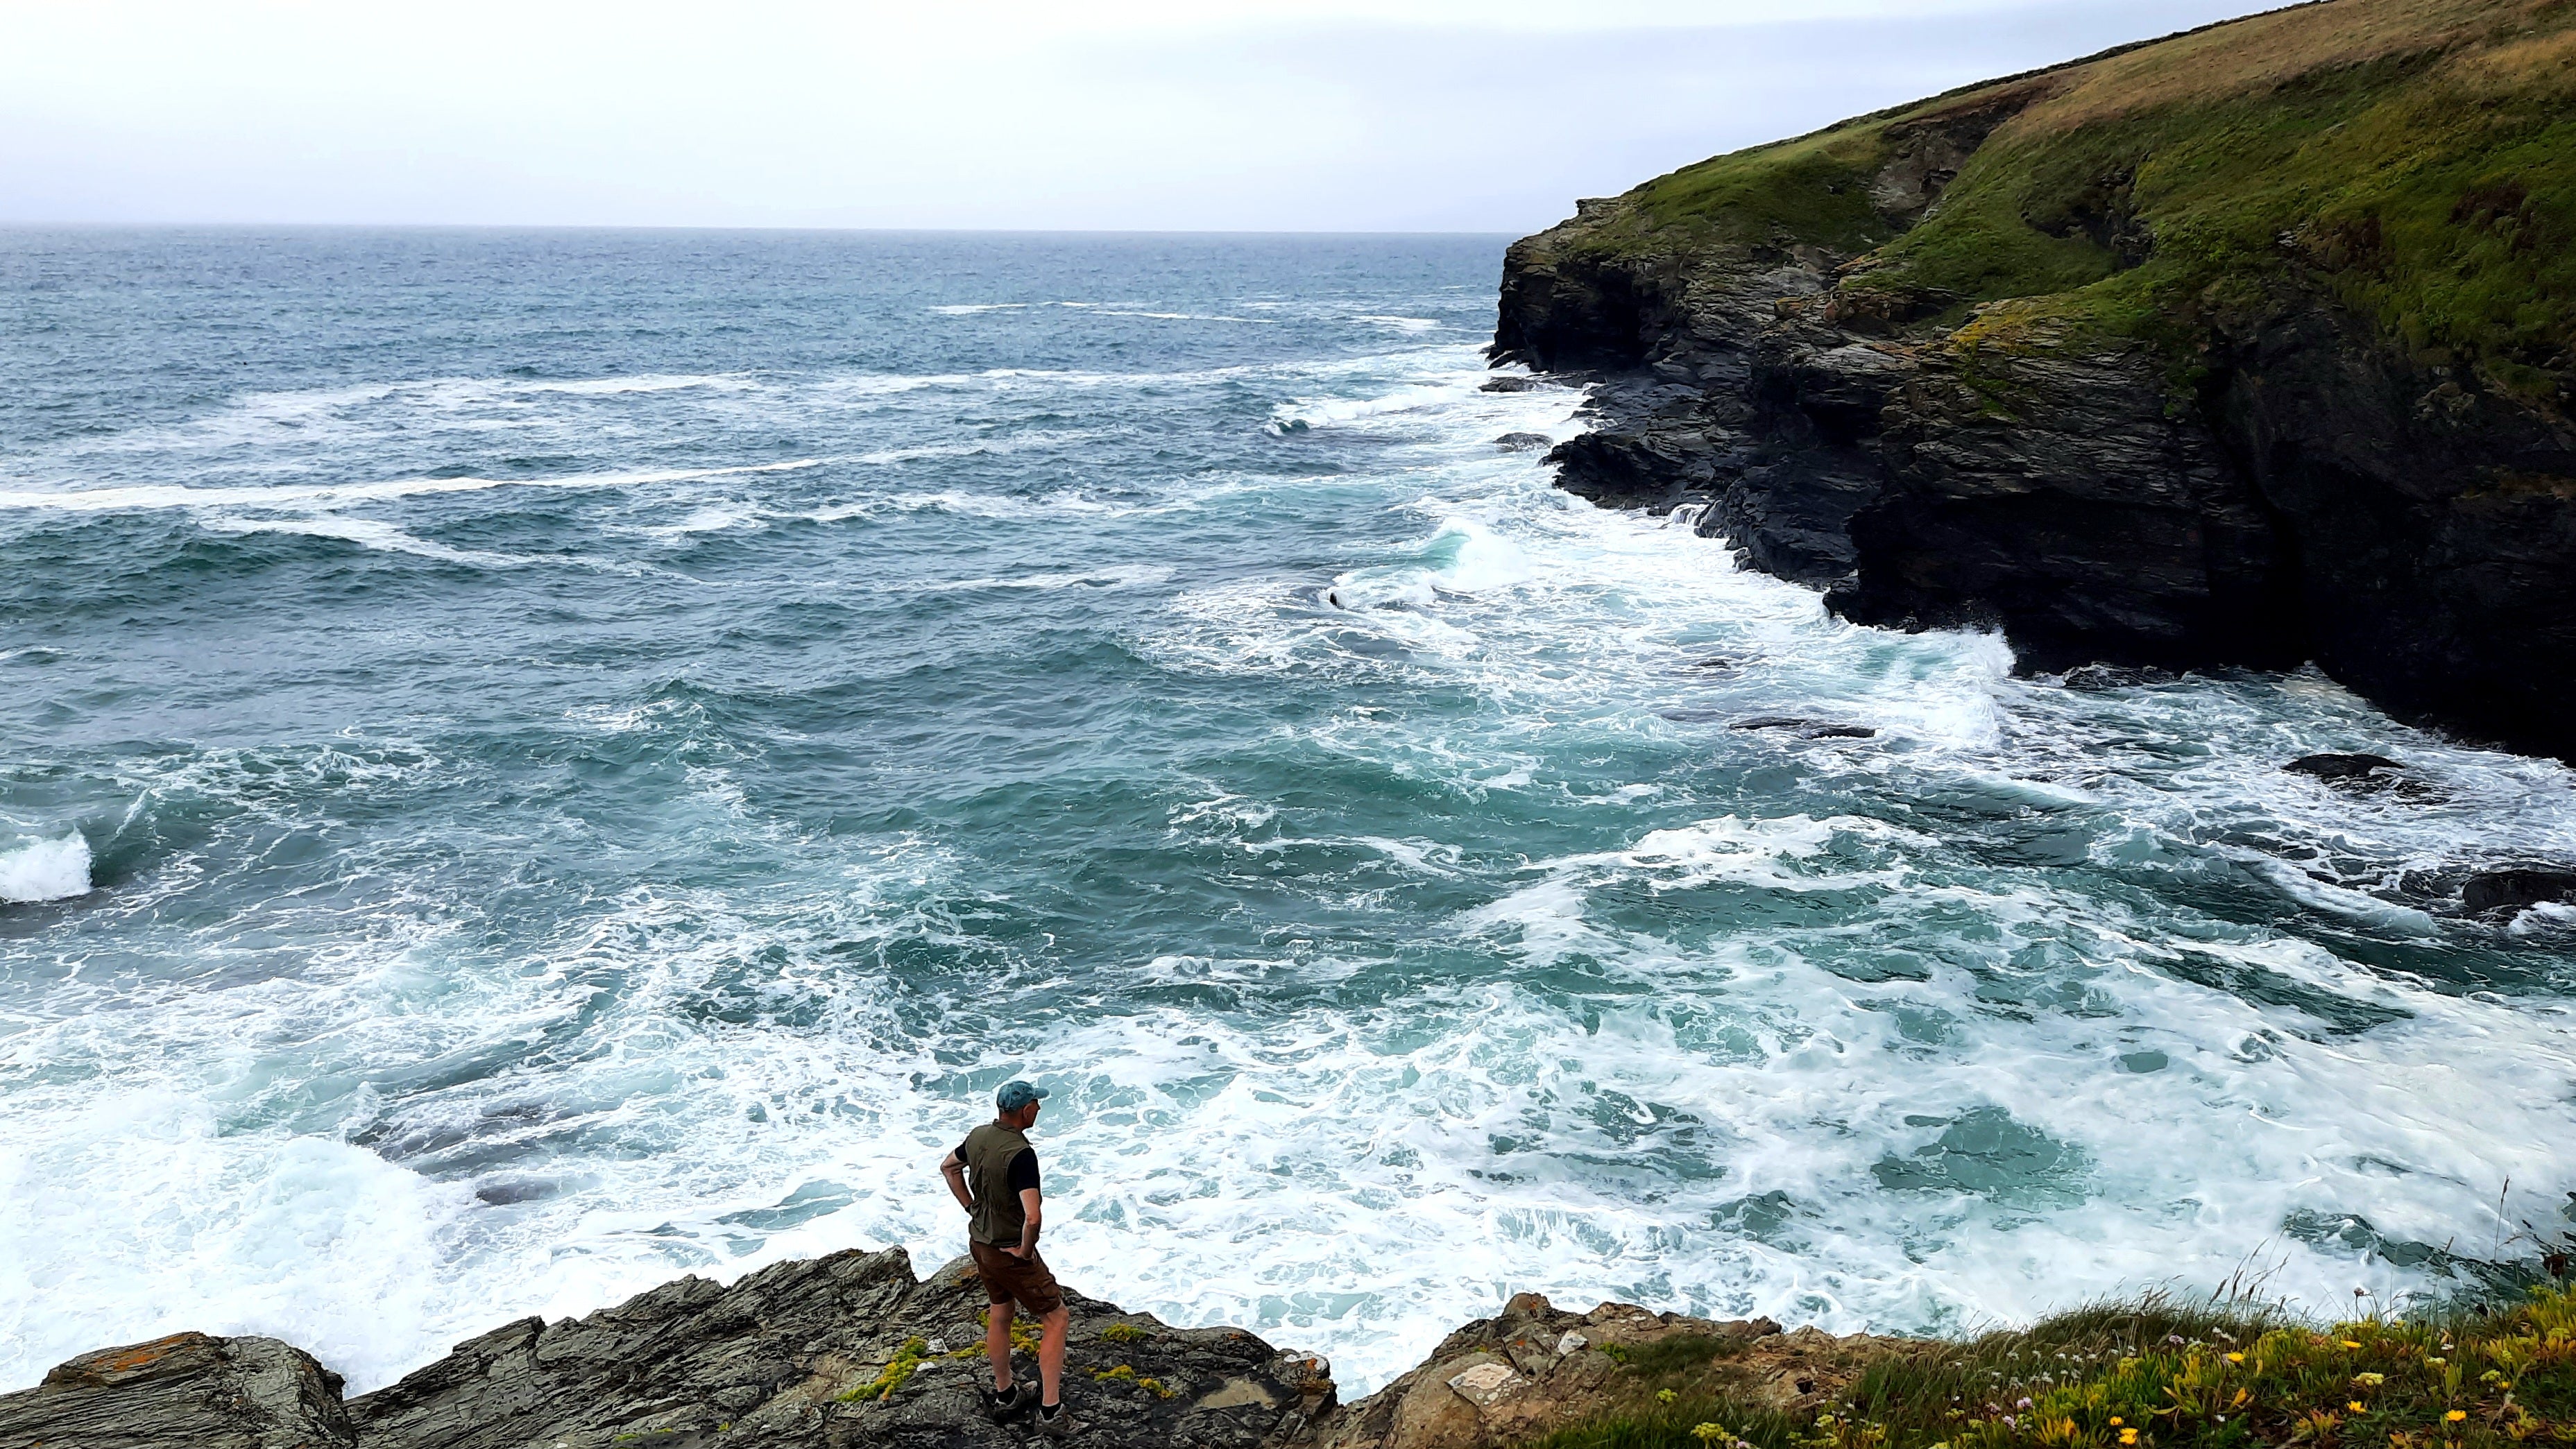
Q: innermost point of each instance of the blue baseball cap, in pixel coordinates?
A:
(1016, 1094)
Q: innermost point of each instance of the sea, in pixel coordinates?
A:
(537, 762)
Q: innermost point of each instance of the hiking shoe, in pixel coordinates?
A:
(1011, 1403)
(1058, 1425)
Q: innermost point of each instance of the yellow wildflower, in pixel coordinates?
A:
(2115, 1421)
(2352, 1343)
(2456, 1415)
(2354, 1406)
(2236, 1358)
(2128, 1436)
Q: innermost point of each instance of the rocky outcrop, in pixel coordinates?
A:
(839, 1351)
(1535, 1368)
(187, 1389)
(2512, 890)
(852, 1349)
(1850, 354)
(844, 1350)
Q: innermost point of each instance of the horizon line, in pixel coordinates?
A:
(8, 226)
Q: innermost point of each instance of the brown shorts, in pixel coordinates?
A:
(1009, 1278)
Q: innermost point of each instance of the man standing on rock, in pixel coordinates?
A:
(1002, 1232)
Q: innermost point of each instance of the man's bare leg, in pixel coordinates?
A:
(997, 1345)
(1052, 1330)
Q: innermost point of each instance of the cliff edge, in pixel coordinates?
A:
(2248, 346)
(852, 1349)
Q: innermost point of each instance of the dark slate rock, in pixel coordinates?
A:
(2116, 676)
(1509, 384)
(793, 1356)
(2341, 767)
(2498, 890)
(1523, 442)
(187, 1391)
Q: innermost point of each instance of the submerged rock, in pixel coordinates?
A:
(1509, 384)
(1523, 442)
(2365, 774)
(2116, 676)
(2498, 890)
(188, 1389)
(2342, 767)
(1807, 729)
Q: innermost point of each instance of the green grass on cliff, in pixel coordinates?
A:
(2151, 1375)
(2414, 158)
(1814, 189)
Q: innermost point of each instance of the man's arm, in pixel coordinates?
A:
(953, 1168)
(1029, 1221)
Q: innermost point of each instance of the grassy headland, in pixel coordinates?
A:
(2416, 159)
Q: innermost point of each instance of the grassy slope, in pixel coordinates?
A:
(2154, 1375)
(2416, 157)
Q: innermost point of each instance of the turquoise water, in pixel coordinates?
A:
(535, 762)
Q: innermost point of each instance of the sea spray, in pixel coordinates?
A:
(45, 870)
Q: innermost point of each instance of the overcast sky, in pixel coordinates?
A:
(1363, 115)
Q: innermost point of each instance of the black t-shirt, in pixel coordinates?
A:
(1024, 1169)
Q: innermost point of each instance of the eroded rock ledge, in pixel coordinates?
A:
(853, 1349)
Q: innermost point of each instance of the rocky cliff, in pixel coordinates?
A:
(852, 1349)
(2249, 346)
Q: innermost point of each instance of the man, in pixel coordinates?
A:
(1002, 1232)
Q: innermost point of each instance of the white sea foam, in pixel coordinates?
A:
(139, 1215)
(644, 383)
(1110, 576)
(366, 532)
(344, 495)
(45, 870)
(712, 518)
(1095, 309)
(1412, 326)
(1307, 414)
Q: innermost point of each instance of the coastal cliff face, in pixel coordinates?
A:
(2245, 347)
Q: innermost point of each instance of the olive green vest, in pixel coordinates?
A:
(989, 1150)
